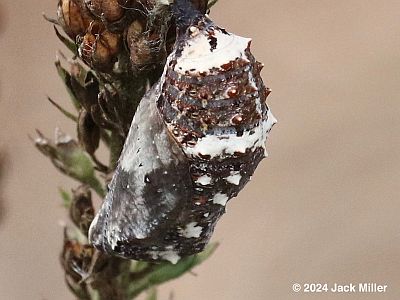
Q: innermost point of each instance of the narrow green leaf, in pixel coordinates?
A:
(67, 42)
(66, 78)
(66, 113)
(67, 198)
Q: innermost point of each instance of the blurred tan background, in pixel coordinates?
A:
(323, 208)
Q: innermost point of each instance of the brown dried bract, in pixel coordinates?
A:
(88, 132)
(81, 210)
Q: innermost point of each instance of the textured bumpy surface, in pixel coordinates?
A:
(194, 143)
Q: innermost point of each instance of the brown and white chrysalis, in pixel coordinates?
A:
(195, 141)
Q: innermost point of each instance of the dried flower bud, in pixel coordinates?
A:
(109, 10)
(99, 47)
(147, 48)
(76, 260)
(88, 132)
(73, 17)
(81, 210)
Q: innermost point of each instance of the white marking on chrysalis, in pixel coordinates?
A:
(204, 180)
(271, 120)
(220, 199)
(114, 243)
(198, 52)
(267, 125)
(194, 31)
(217, 145)
(206, 215)
(228, 144)
(93, 225)
(234, 178)
(164, 148)
(252, 81)
(169, 255)
(191, 231)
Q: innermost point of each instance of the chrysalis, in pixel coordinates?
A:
(195, 141)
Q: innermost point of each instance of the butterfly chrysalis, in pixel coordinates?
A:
(195, 141)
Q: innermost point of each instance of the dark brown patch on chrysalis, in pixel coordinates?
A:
(213, 42)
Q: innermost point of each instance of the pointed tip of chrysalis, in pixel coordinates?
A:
(185, 13)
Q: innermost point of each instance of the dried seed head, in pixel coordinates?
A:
(73, 17)
(109, 10)
(135, 29)
(147, 48)
(99, 47)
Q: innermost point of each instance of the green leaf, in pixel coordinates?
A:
(81, 168)
(66, 78)
(67, 42)
(67, 198)
(166, 271)
(66, 113)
